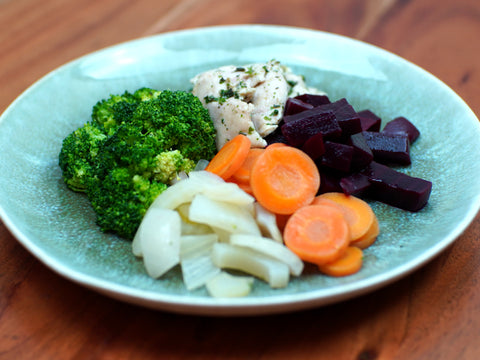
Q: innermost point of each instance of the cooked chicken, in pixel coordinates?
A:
(247, 100)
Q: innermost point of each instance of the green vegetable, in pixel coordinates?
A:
(132, 149)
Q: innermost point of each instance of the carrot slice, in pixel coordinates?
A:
(370, 236)
(349, 263)
(284, 179)
(230, 157)
(277, 144)
(317, 234)
(358, 213)
(242, 175)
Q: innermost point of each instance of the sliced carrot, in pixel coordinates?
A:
(349, 263)
(242, 175)
(370, 236)
(276, 144)
(317, 234)
(230, 157)
(358, 213)
(284, 179)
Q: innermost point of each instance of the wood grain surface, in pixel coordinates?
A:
(432, 314)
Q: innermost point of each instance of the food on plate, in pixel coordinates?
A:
(248, 176)
(232, 232)
(134, 145)
(352, 152)
(247, 99)
(283, 179)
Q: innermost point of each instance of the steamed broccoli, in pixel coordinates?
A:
(133, 147)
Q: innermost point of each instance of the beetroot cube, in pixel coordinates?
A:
(362, 154)
(369, 121)
(346, 116)
(329, 182)
(389, 148)
(337, 156)
(300, 127)
(314, 146)
(401, 125)
(355, 184)
(397, 189)
(313, 99)
(294, 106)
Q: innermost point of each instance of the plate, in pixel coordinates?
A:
(58, 226)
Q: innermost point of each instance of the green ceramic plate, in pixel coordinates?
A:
(58, 227)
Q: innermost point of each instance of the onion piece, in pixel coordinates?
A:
(267, 222)
(270, 248)
(227, 256)
(195, 260)
(219, 214)
(225, 285)
(158, 239)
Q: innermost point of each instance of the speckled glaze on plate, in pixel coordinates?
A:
(58, 226)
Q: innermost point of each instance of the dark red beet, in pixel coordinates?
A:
(369, 121)
(313, 99)
(294, 106)
(397, 189)
(362, 154)
(401, 125)
(337, 156)
(314, 146)
(355, 184)
(346, 116)
(329, 182)
(388, 148)
(300, 127)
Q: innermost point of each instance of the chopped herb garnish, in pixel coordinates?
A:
(210, 98)
(292, 83)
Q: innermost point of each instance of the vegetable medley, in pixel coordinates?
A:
(151, 165)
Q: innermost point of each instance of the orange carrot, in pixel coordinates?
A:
(284, 179)
(242, 175)
(349, 263)
(358, 213)
(276, 144)
(369, 237)
(317, 234)
(230, 157)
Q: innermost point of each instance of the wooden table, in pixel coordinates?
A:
(431, 314)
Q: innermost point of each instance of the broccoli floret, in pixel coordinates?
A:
(132, 149)
(78, 152)
(169, 164)
(109, 113)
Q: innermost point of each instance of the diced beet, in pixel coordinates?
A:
(369, 121)
(397, 189)
(337, 156)
(362, 154)
(389, 148)
(401, 125)
(355, 184)
(346, 116)
(314, 146)
(314, 99)
(300, 127)
(329, 182)
(295, 106)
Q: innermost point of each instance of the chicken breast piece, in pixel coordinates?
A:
(247, 99)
